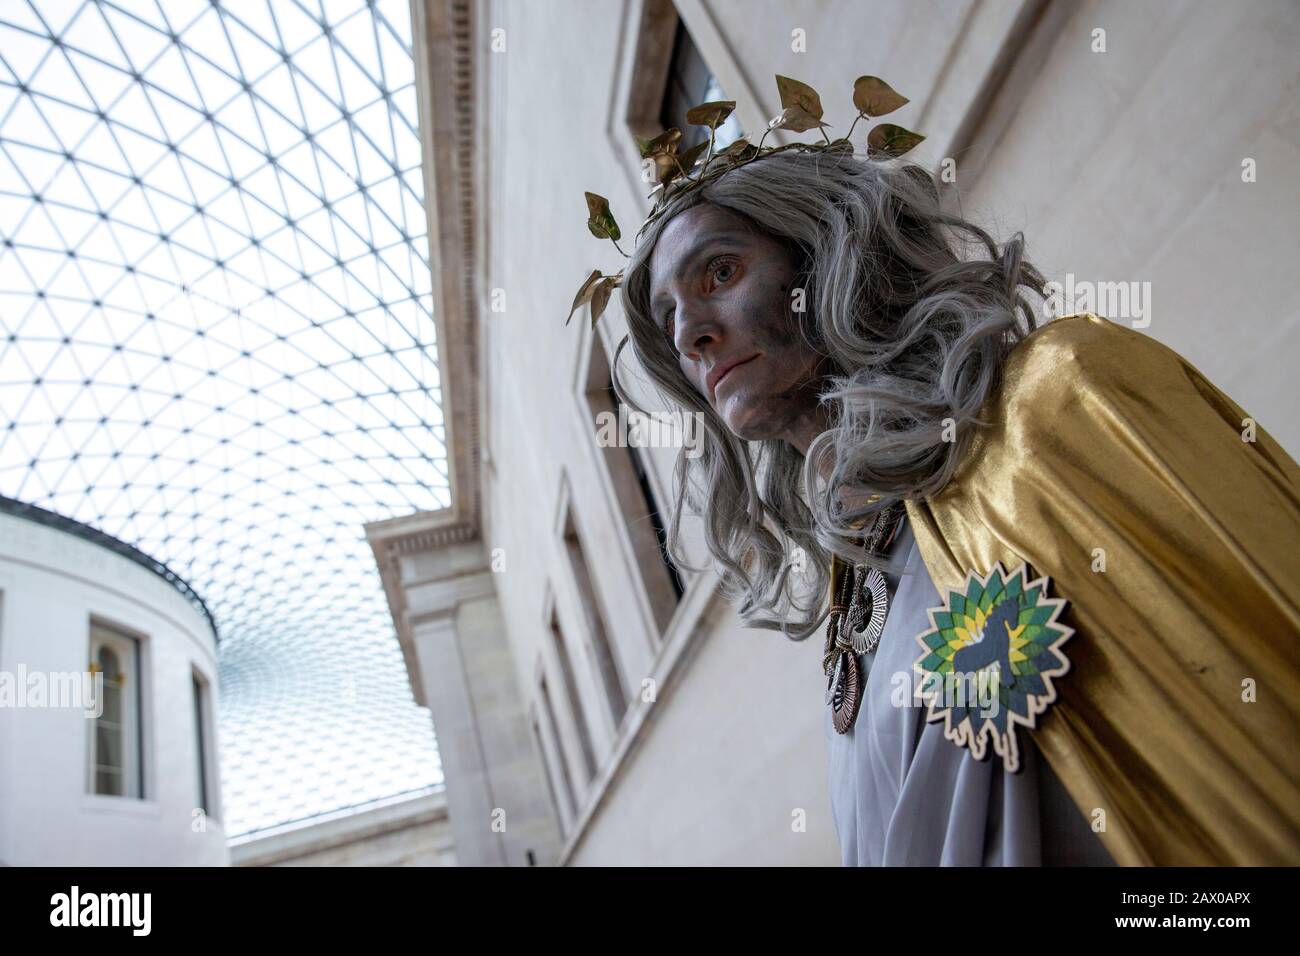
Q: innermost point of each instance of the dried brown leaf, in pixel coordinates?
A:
(874, 97)
(600, 299)
(712, 114)
(584, 293)
(795, 93)
(796, 118)
(891, 140)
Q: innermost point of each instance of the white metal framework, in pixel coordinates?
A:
(216, 345)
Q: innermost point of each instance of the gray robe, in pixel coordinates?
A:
(904, 795)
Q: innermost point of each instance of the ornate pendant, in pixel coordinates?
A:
(833, 679)
(859, 606)
(868, 609)
(845, 691)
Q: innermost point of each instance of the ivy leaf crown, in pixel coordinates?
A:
(677, 173)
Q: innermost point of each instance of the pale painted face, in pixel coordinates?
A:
(723, 294)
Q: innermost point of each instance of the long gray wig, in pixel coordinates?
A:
(914, 310)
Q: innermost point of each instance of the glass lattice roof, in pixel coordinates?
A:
(216, 344)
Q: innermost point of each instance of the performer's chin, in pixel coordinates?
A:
(745, 419)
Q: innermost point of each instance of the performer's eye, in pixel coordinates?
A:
(723, 264)
(721, 268)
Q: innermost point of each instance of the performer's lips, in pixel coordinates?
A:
(721, 371)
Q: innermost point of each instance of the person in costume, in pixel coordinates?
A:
(1055, 564)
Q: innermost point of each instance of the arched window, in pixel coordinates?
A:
(115, 768)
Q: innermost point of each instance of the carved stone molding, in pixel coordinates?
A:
(443, 40)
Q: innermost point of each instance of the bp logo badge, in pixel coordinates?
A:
(989, 660)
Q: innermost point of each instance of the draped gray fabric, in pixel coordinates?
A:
(904, 795)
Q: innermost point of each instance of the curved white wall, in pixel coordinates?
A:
(52, 583)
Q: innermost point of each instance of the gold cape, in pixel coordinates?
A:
(1103, 442)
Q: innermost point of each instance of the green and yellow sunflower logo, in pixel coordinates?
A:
(989, 660)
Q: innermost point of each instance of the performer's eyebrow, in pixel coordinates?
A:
(702, 245)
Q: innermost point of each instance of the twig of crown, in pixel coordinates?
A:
(678, 173)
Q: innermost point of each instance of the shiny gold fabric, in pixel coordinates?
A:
(1103, 442)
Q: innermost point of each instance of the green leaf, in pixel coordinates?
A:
(600, 220)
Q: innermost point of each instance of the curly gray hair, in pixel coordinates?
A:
(914, 310)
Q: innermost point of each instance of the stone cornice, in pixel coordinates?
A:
(447, 92)
(447, 88)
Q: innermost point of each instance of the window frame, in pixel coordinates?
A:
(129, 650)
(630, 477)
(205, 750)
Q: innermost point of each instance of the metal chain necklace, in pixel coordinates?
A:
(857, 619)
